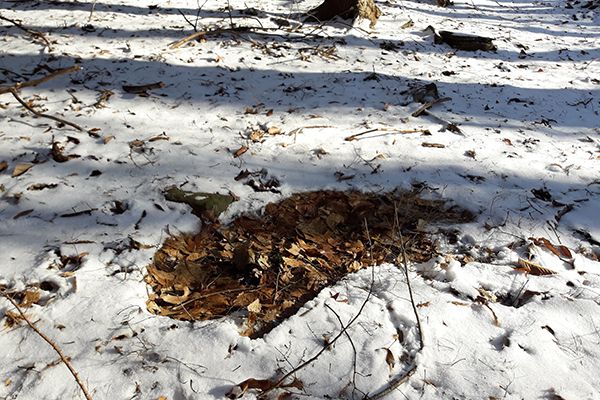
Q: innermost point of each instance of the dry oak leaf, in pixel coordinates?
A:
(560, 251)
(240, 151)
(30, 296)
(533, 268)
(20, 169)
(274, 131)
(389, 359)
(255, 306)
(107, 138)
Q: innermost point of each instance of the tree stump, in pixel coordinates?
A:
(345, 9)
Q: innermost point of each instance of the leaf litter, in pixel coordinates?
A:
(267, 266)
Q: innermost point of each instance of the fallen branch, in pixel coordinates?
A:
(143, 89)
(35, 82)
(216, 31)
(34, 34)
(39, 114)
(57, 349)
(188, 38)
(353, 137)
(428, 105)
(400, 131)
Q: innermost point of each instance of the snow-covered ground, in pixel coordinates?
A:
(525, 158)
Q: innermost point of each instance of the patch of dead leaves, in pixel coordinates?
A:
(268, 265)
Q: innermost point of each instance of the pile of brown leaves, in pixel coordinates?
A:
(267, 266)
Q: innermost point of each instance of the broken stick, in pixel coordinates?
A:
(39, 114)
(54, 346)
(401, 131)
(428, 105)
(35, 82)
(33, 34)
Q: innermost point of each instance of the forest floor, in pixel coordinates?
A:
(509, 301)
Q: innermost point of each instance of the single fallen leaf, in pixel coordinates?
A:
(209, 205)
(433, 145)
(42, 186)
(274, 131)
(470, 153)
(260, 384)
(178, 297)
(340, 176)
(389, 359)
(240, 151)
(3, 165)
(255, 306)
(30, 297)
(23, 213)
(94, 132)
(407, 24)
(107, 138)
(533, 268)
(136, 143)
(158, 137)
(20, 169)
(560, 251)
(256, 135)
(12, 318)
(58, 154)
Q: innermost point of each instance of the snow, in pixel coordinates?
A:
(529, 119)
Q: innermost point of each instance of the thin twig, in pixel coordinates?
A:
(353, 137)
(34, 34)
(39, 114)
(395, 383)
(203, 296)
(408, 284)
(200, 7)
(92, 11)
(231, 24)
(216, 31)
(343, 331)
(194, 26)
(401, 131)
(57, 349)
(428, 105)
(354, 354)
(35, 82)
